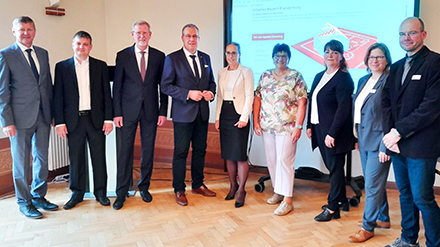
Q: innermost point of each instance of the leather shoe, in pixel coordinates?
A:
(203, 190)
(30, 211)
(361, 236)
(241, 196)
(327, 216)
(72, 202)
(119, 203)
(44, 204)
(379, 224)
(103, 200)
(146, 196)
(231, 194)
(181, 198)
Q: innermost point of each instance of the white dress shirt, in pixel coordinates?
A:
(33, 54)
(190, 61)
(231, 78)
(83, 78)
(314, 117)
(361, 98)
(137, 51)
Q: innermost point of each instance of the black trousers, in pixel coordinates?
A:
(148, 130)
(335, 164)
(194, 133)
(85, 131)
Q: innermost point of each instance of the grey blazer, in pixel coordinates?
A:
(20, 94)
(370, 130)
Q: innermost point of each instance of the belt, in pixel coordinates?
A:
(228, 102)
(83, 113)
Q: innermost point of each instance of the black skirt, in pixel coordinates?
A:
(233, 140)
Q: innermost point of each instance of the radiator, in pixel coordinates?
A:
(58, 151)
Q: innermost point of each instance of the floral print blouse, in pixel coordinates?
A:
(279, 101)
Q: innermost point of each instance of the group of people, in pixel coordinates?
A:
(394, 116)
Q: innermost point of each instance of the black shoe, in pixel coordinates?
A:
(30, 211)
(44, 204)
(327, 216)
(146, 196)
(231, 195)
(119, 203)
(103, 200)
(74, 200)
(240, 204)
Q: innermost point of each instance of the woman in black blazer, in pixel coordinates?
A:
(329, 123)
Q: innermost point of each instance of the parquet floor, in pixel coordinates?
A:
(204, 222)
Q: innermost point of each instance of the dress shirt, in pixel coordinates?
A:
(314, 117)
(190, 61)
(231, 78)
(33, 54)
(137, 51)
(83, 78)
(361, 98)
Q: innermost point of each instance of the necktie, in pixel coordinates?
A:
(143, 69)
(33, 66)
(406, 68)
(196, 69)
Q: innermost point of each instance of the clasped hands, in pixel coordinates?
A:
(390, 140)
(197, 95)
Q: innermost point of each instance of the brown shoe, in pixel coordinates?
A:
(361, 236)
(379, 224)
(181, 198)
(203, 190)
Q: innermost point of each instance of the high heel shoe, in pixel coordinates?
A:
(229, 196)
(240, 204)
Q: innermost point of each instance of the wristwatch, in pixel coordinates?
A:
(299, 126)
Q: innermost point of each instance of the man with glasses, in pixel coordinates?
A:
(411, 111)
(26, 115)
(189, 80)
(136, 102)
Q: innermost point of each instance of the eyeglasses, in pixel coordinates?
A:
(411, 34)
(376, 57)
(281, 57)
(191, 36)
(234, 53)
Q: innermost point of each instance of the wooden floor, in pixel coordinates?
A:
(204, 222)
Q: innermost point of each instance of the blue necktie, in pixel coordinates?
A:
(196, 69)
(33, 66)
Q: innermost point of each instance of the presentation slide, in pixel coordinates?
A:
(306, 26)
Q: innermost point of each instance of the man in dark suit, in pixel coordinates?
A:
(25, 115)
(189, 80)
(136, 101)
(411, 111)
(83, 112)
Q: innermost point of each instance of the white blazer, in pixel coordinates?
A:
(242, 92)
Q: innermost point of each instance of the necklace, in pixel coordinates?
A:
(280, 75)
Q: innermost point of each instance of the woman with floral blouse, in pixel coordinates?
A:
(279, 111)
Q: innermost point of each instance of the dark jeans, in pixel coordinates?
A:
(196, 133)
(415, 180)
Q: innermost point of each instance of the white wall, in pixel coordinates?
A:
(109, 22)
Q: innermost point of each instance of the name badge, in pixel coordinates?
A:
(373, 90)
(416, 77)
(206, 66)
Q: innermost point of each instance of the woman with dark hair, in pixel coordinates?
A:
(367, 116)
(234, 104)
(329, 123)
(279, 111)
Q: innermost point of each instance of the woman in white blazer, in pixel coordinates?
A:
(234, 103)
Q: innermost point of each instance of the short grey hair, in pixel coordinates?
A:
(190, 25)
(22, 19)
(141, 22)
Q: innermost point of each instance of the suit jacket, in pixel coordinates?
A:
(242, 92)
(370, 132)
(66, 94)
(414, 107)
(178, 78)
(130, 92)
(20, 94)
(334, 111)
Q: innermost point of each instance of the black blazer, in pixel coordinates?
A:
(414, 107)
(130, 92)
(66, 95)
(334, 111)
(178, 78)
